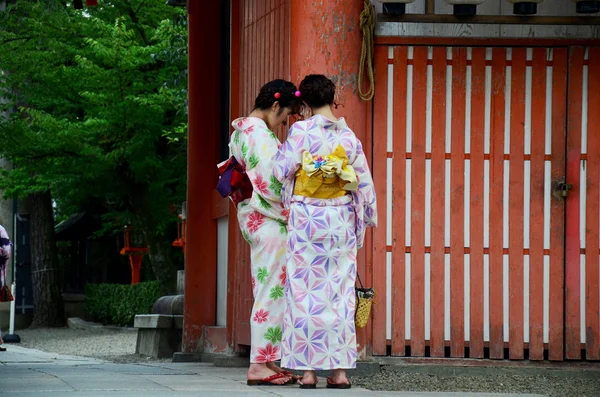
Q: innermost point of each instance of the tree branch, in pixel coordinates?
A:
(136, 22)
(16, 39)
(140, 6)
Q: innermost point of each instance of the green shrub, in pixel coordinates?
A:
(119, 303)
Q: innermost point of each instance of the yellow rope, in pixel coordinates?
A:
(367, 25)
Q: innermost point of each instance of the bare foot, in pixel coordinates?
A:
(309, 378)
(261, 371)
(338, 376)
(274, 367)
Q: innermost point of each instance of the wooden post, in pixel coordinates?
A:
(203, 125)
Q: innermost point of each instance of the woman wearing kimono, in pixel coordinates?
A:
(5, 251)
(328, 189)
(262, 220)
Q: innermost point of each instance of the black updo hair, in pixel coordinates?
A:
(287, 96)
(317, 91)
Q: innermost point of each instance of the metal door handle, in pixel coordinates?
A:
(561, 190)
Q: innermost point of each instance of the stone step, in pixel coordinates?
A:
(158, 321)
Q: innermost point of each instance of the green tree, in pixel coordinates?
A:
(95, 94)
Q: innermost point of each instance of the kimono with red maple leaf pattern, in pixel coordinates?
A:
(262, 220)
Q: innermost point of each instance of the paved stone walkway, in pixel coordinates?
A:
(32, 373)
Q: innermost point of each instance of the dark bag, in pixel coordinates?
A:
(5, 294)
(233, 181)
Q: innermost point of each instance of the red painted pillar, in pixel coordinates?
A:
(326, 39)
(204, 19)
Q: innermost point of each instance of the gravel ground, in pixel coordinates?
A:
(393, 379)
(119, 347)
(105, 344)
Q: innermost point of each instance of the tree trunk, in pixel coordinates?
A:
(158, 246)
(47, 298)
(162, 265)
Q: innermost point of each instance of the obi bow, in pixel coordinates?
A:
(325, 177)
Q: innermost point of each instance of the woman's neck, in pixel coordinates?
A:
(326, 112)
(259, 114)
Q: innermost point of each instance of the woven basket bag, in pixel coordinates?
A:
(364, 301)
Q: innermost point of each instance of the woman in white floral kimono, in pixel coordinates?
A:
(328, 189)
(262, 220)
(5, 251)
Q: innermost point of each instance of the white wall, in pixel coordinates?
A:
(490, 7)
(222, 250)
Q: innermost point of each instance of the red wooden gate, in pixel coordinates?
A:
(582, 222)
(469, 150)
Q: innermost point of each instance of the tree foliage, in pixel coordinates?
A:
(95, 95)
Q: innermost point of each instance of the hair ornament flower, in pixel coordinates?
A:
(277, 95)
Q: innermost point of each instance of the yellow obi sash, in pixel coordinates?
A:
(325, 177)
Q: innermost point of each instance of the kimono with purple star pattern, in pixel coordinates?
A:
(323, 238)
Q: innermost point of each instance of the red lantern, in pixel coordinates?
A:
(135, 248)
(181, 228)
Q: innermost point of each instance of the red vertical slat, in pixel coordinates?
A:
(365, 266)
(496, 202)
(417, 249)
(268, 60)
(273, 49)
(592, 292)
(265, 42)
(252, 54)
(379, 176)
(536, 246)
(476, 210)
(517, 126)
(282, 31)
(280, 55)
(268, 39)
(244, 57)
(557, 212)
(457, 202)
(234, 235)
(261, 43)
(242, 38)
(572, 246)
(399, 203)
(286, 73)
(258, 58)
(438, 176)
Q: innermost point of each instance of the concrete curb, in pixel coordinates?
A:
(79, 323)
(363, 368)
(180, 357)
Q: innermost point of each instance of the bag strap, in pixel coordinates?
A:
(359, 281)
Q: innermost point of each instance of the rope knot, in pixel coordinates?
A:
(367, 17)
(367, 25)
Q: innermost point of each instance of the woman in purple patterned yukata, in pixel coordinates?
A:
(262, 220)
(328, 189)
